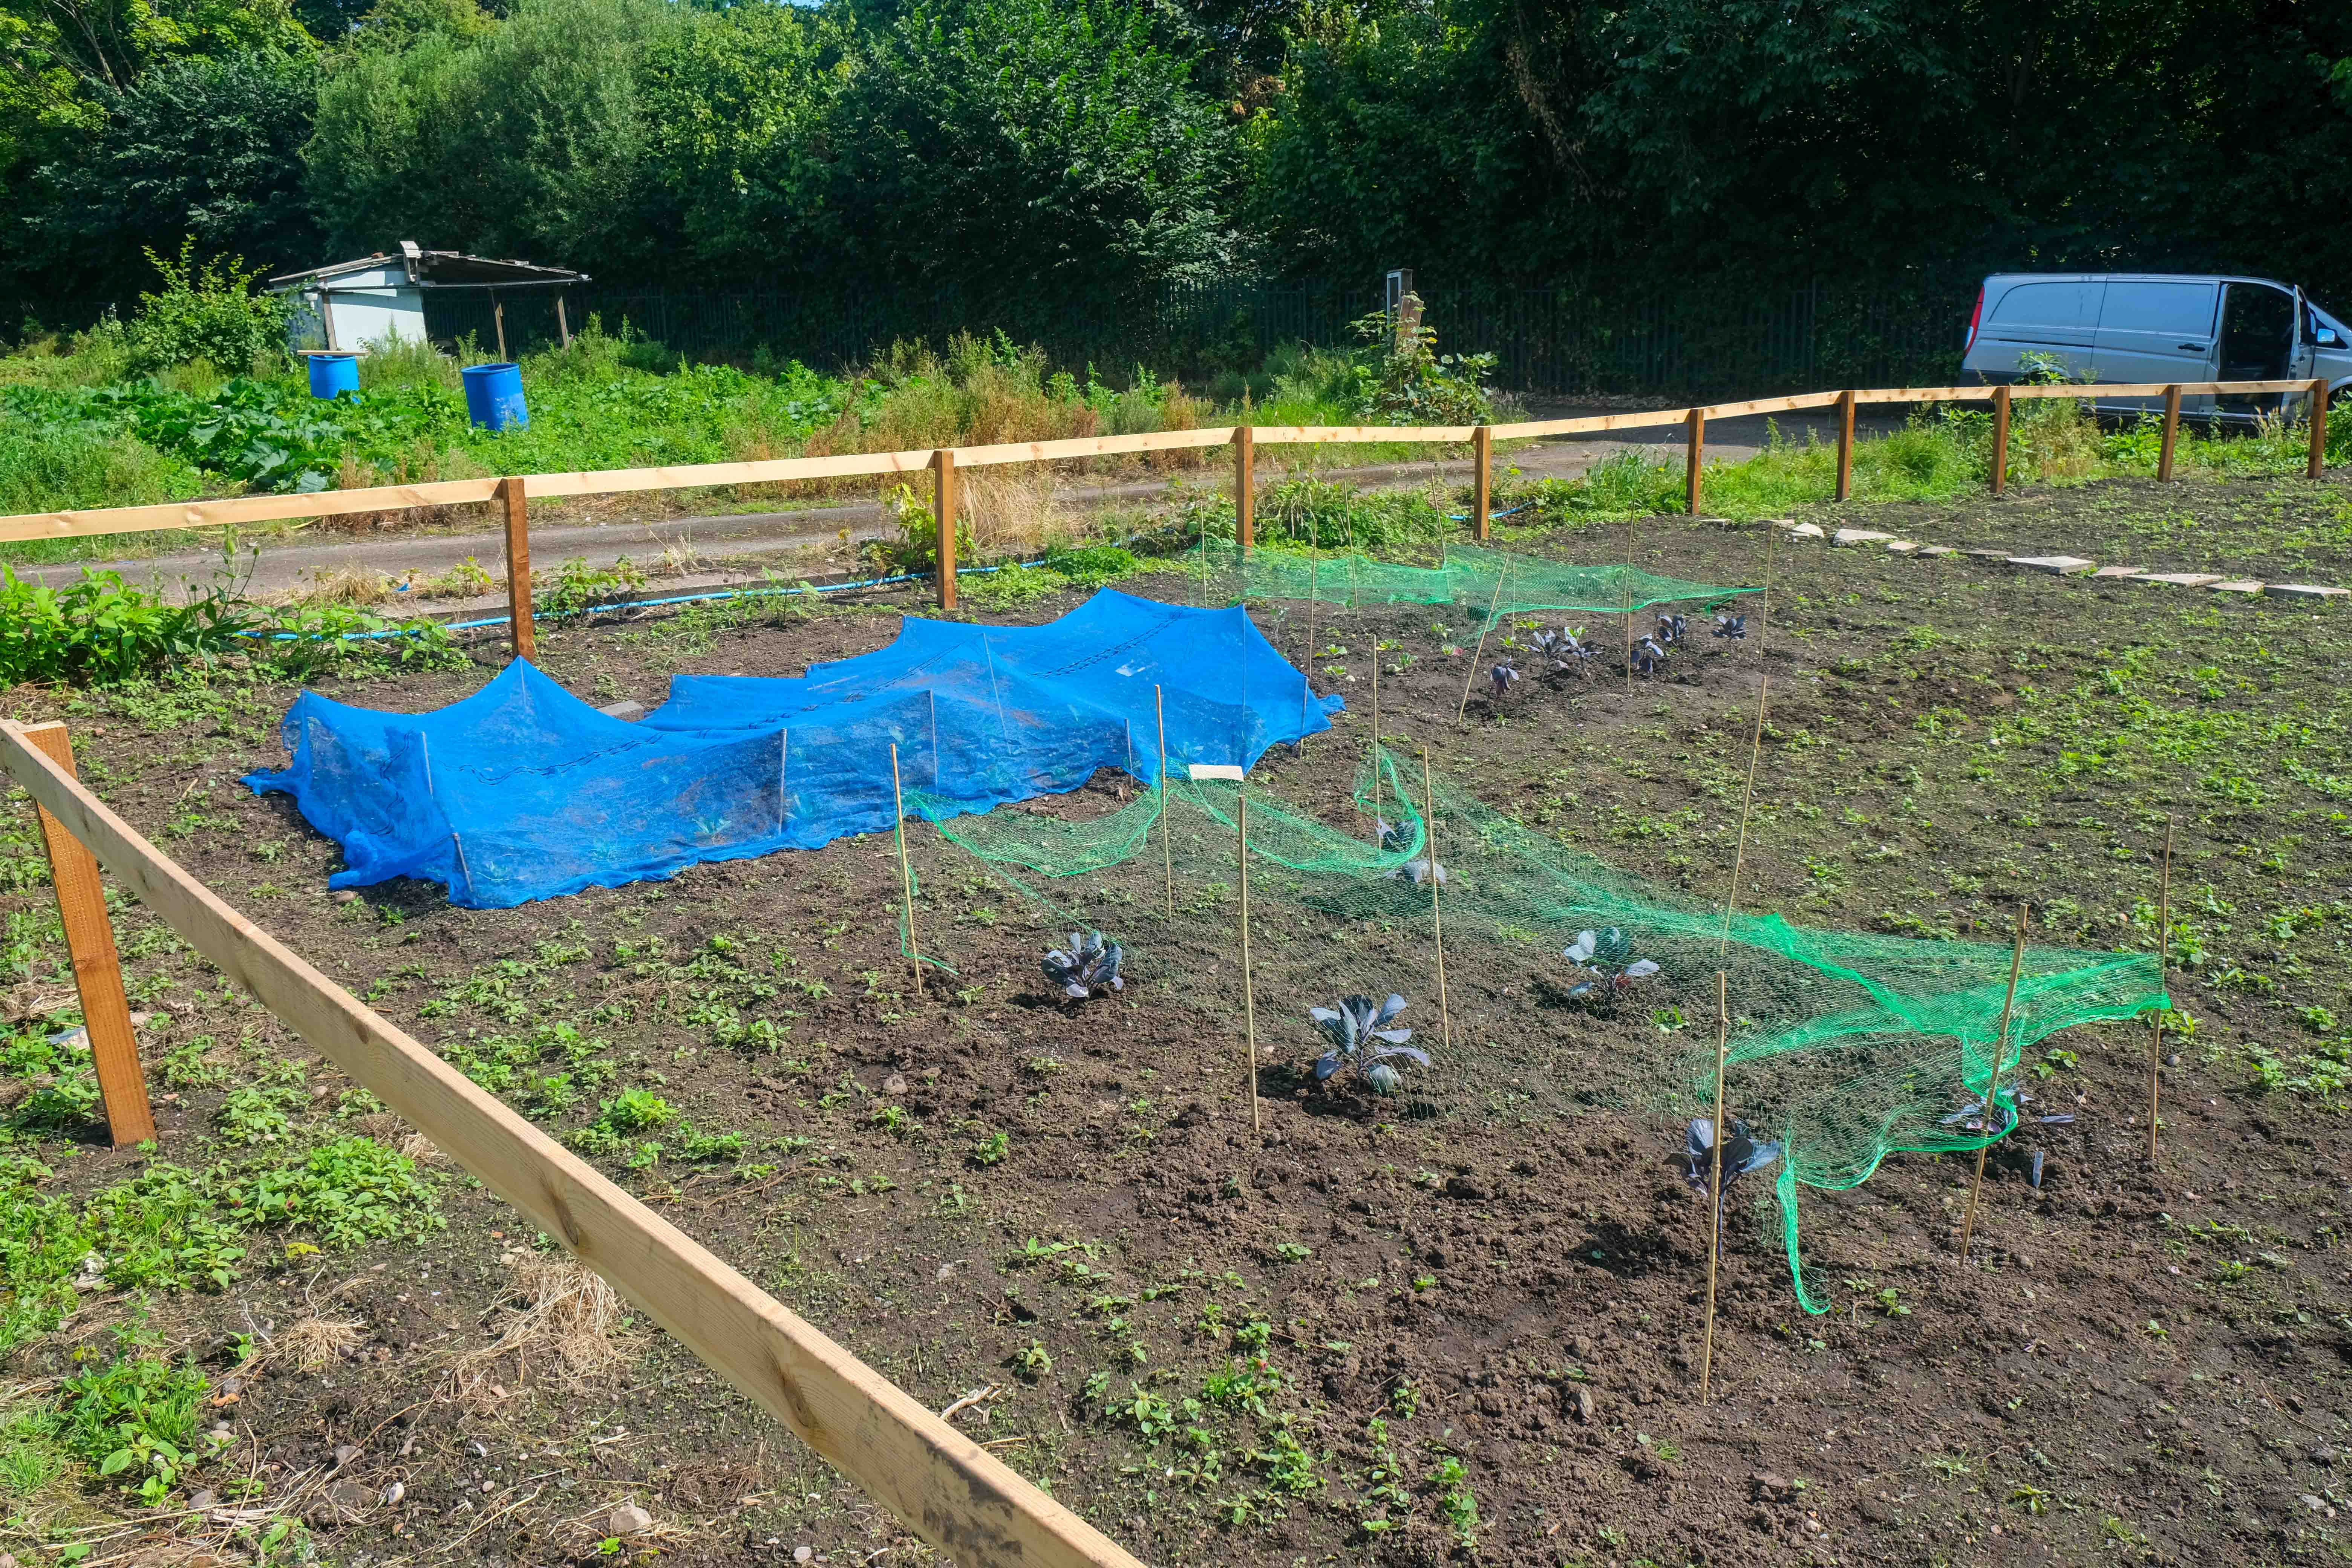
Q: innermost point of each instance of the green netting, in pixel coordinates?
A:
(1848, 1047)
(1468, 576)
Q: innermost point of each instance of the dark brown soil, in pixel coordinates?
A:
(1222, 1345)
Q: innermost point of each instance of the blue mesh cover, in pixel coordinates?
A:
(522, 791)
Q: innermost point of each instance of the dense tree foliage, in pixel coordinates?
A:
(984, 148)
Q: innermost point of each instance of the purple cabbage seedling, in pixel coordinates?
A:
(1733, 627)
(1087, 967)
(1671, 629)
(1395, 839)
(1361, 1038)
(1649, 657)
(1501, 676)
(1561, 652)
(1741, 1154)
(1607, 957)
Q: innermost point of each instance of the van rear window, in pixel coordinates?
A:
(2071, 305)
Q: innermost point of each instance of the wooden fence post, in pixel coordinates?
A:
(499, 316)
(1999, 439)
(97, 967)
(2172, 430)
(2318, 459)
(944, 510)
(1482, 453)
(1845, 444)
(1246, 485)
(517, 513)
(1696, 419)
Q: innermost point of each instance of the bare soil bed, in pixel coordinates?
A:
(1465, 1329)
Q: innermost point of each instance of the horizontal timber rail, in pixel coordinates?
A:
(967, 1503)
(514, 492)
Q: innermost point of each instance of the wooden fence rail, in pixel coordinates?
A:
(516, 491)
(969, 1504)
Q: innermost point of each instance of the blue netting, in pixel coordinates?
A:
(522, 791)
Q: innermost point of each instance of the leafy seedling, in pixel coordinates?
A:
(1649, 657)
(1606, 957)
(1361, 1038)
(1671, 630)
(1732, 627)
(1087, 967)
(1501, 677)
(1741, 1154)
(1417, 871)
(1561, 652)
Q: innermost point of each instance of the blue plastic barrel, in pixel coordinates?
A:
(331, 373)
(493, 395)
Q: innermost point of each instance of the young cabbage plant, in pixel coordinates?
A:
(1671, 629)
(1087, 967)
(1970, 1118)
(1733, 627)
(1501, 677)
(1607, 957)
(1561, 652)
(1417, 871)
(1362, 1037)
(1741, 1154)
(1649, 657)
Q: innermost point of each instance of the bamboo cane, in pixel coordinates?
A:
(1167, 853)
(1480, 651)
(1377, 791)
(1715, 1183)
(906, 872)
(2163, 953)
(1436, 921)
(1993, 1085)
(1629, 606)
(1249, 989)
(1755, 751)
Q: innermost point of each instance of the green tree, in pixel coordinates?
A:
(1022, 146)
(738, 104)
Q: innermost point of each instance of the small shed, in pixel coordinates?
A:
(343, 308)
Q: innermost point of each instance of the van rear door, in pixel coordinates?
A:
(2156, 329)
(2056, 316)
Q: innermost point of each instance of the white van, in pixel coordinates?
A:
(2159, 327)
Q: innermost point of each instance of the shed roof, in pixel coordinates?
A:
(441, 269)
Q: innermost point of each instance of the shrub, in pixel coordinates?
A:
(97, 630)
(207, 313)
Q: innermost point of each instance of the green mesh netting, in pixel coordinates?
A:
(1846, 1046)
(1469, 576)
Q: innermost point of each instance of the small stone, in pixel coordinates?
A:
(1902, 547)
(201, 1498)
(1806, 530)
(480, 1452)
(629, 1519)
(1859, 536)
(343, 894)
(1583, 1396)
(2056, 565)
(1768, 1486)
(628, 713)
(802, 1554)
(2325, 1454)
(489, 1486)
(895, 1084)
(393, 1493)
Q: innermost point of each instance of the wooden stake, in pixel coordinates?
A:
(1845, 444)
(1480, 651)
(2163, 953)
(1482, 454)
(1436, 921)
(1249, 989)
(1993, 1085)
(498, 318)
(1755, 750)
(1167, 853)
(1306, 667)
(97, 966)
(943, 509)
(906, 872)
(2317, 461)
(2171, 431)
(1999, 439)
(563, 326)
(518, 516)
(1629, 606)
(1696, 444)
(1246, 485)
(1377, 792)
(783, 741)
(1715, 1183)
